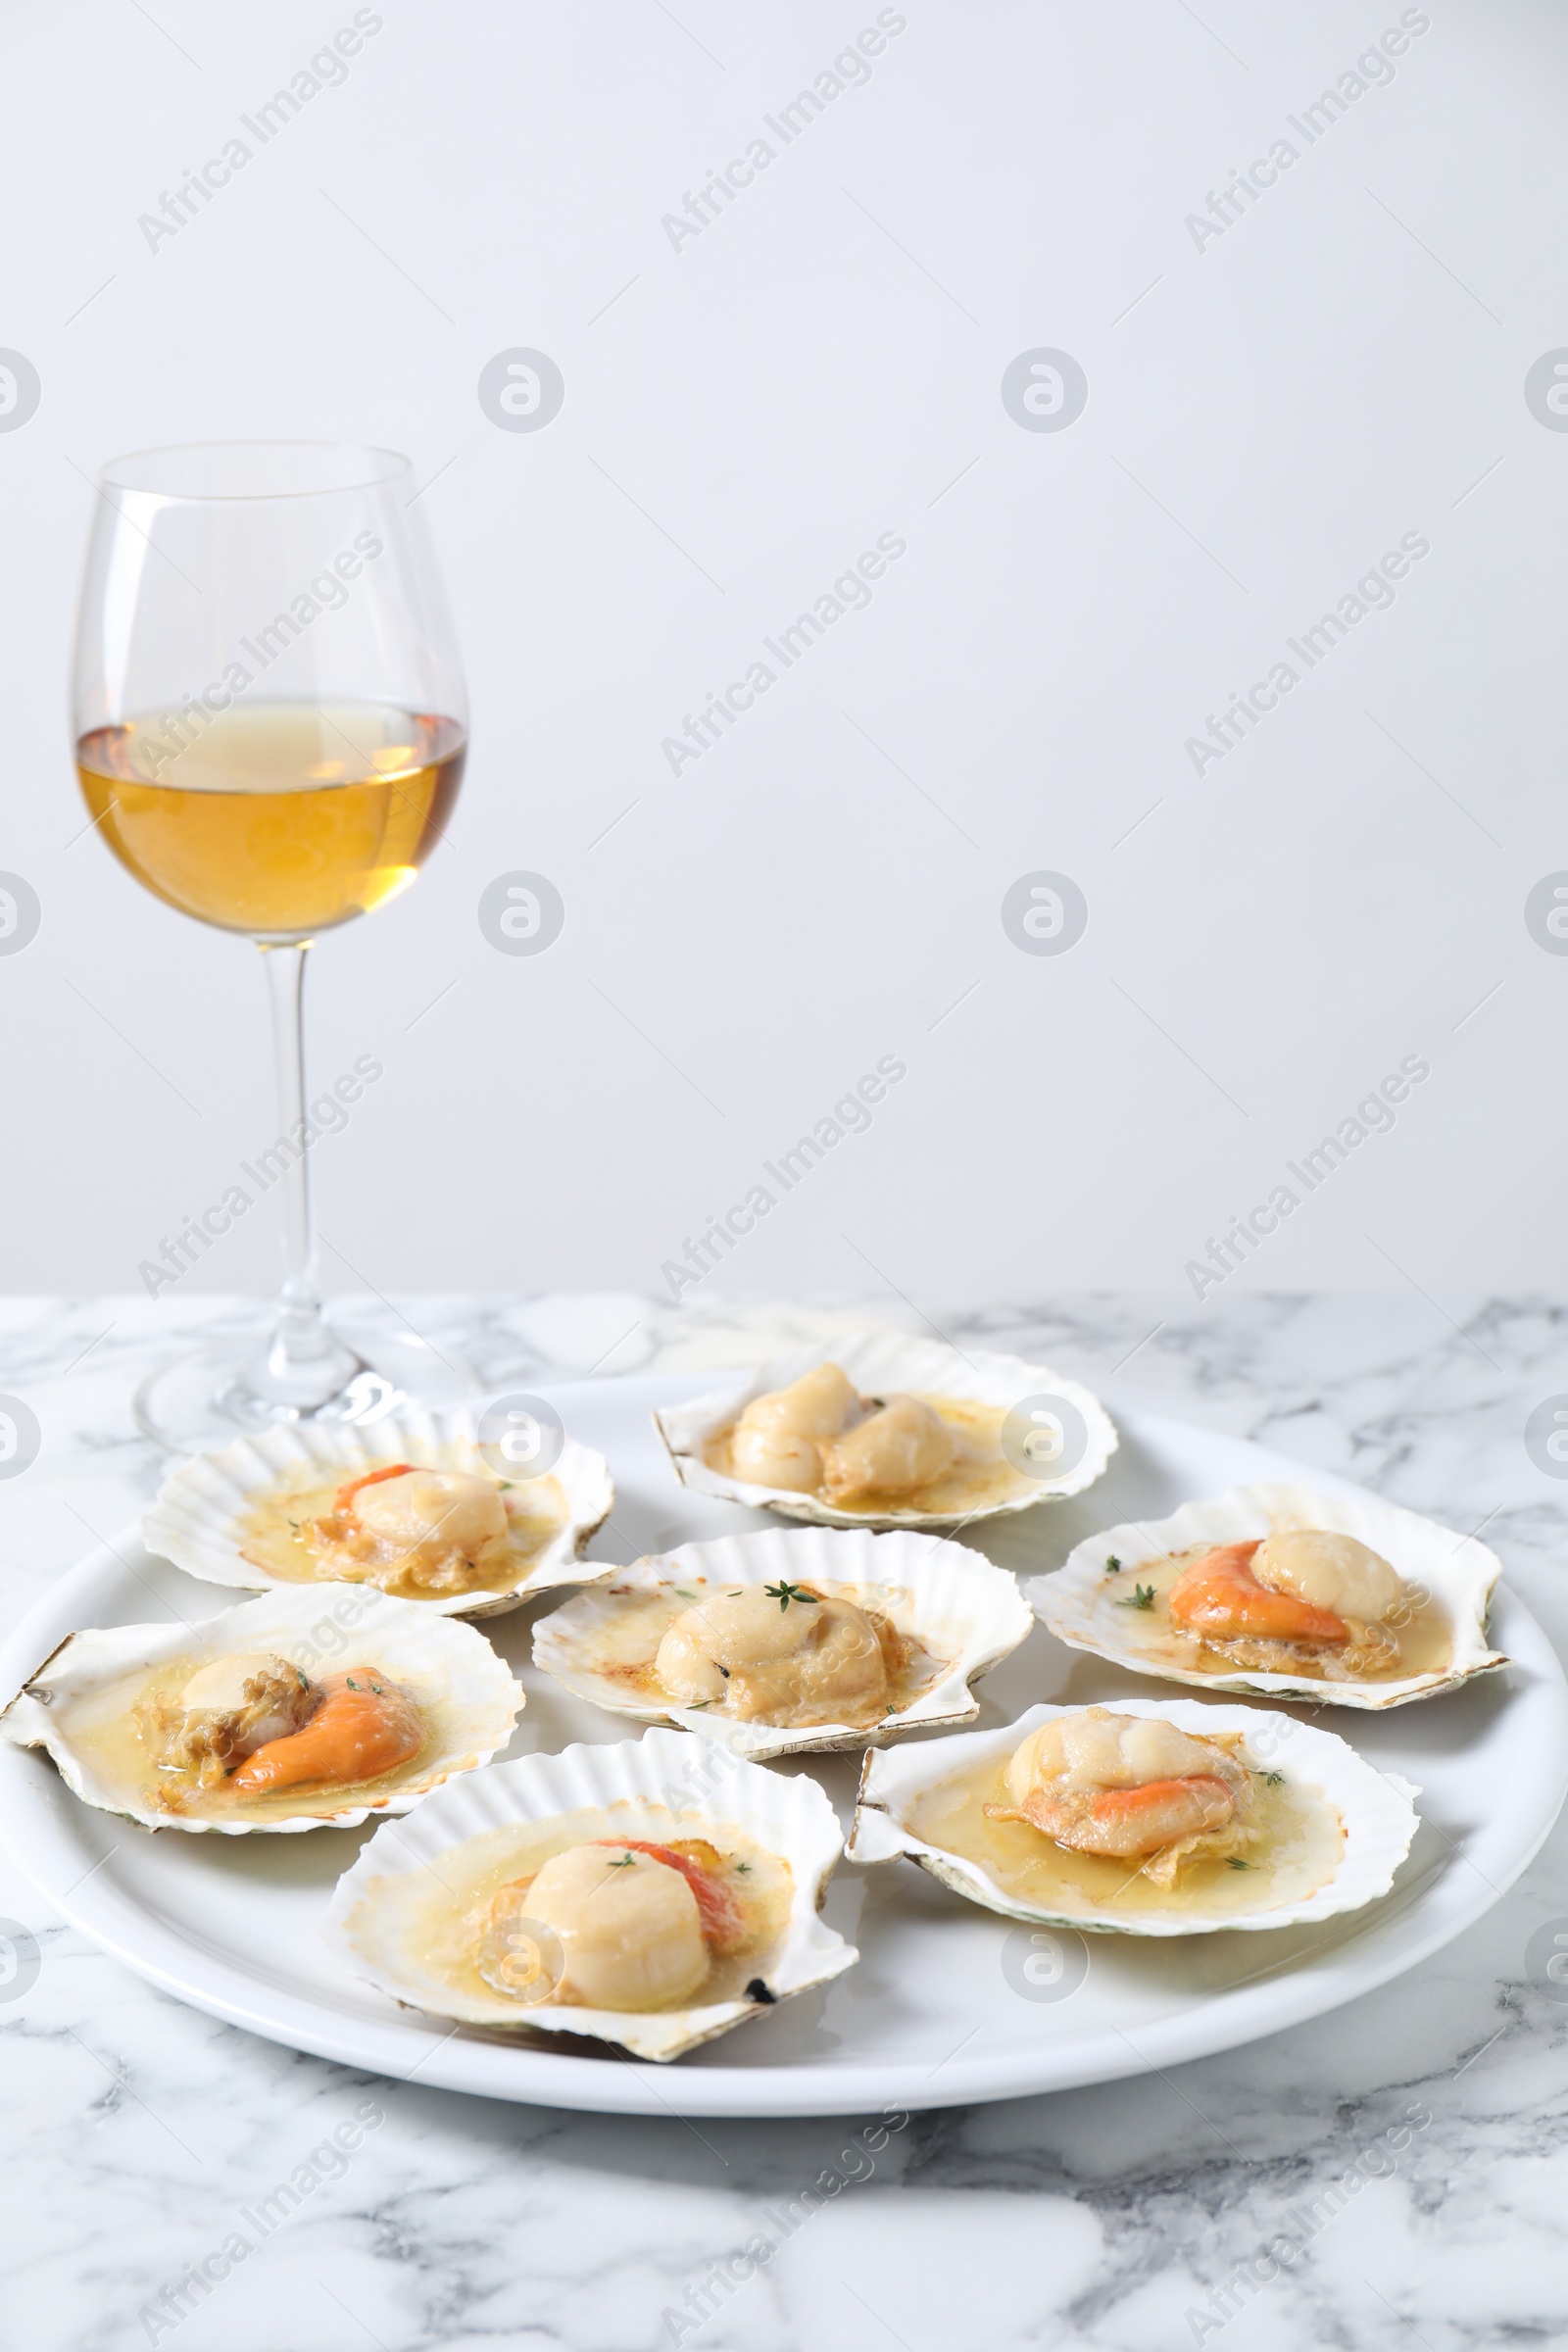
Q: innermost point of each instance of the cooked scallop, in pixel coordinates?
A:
(1274, 1588)
(251, 1720)
(1158, 1817)
(780, 1653)
(428, 1531)
(412, 1505)
(1130, 1786)
(777, 1440)
(878, 1429)
(783, 1639)
(232, 1706)
(432, 1511)
(628, 1925)
(895, 1451)
(651, 1894)
(1333, 1572)
(1219, 1595)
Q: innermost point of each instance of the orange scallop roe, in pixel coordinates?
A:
(1218, 1595)
(363, 1727)
(1123, 1823)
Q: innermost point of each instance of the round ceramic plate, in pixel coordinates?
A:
(949, 2003)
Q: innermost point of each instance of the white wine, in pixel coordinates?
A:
(279, 819)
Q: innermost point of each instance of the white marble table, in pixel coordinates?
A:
(140, 2135)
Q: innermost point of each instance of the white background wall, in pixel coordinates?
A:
(743, 417)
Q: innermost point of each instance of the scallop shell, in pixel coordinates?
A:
(954, 1601)
(68, 1691)
(880, 1363)
(196, 1520)
(1375, 1809)
(1079, 1601)
(665, 1785)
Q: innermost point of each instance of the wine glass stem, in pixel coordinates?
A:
(301, 1337)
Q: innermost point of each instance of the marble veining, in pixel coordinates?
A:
(1396, 2173)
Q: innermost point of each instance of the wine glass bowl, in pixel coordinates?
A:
(269, 727)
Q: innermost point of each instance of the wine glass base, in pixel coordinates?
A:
(210, 1396)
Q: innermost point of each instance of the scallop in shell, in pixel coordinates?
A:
(1410, 1599)
(266, 1513)
(653, 1893)
(1321, 1831)
(790, 1638)
(160, 1722)
(952, 1437)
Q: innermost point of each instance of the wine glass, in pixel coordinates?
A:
(269, 728)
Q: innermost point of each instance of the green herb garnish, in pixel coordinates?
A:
(1142, 1597)
(1112, 1564)
(1236, 1862)
(784, 1593)
(743, 1866)
(682, 1593)
(625, 1862)
(1272, 1779)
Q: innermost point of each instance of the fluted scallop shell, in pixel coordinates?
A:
(883, 1363)
(1376, 1812)
(665, 1785)
(1085, 1607)
(962, 1609)
(449, 1670)
(197, 1519)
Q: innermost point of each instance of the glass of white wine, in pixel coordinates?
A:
(270, 726)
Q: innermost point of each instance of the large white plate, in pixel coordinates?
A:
(931, 2016)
